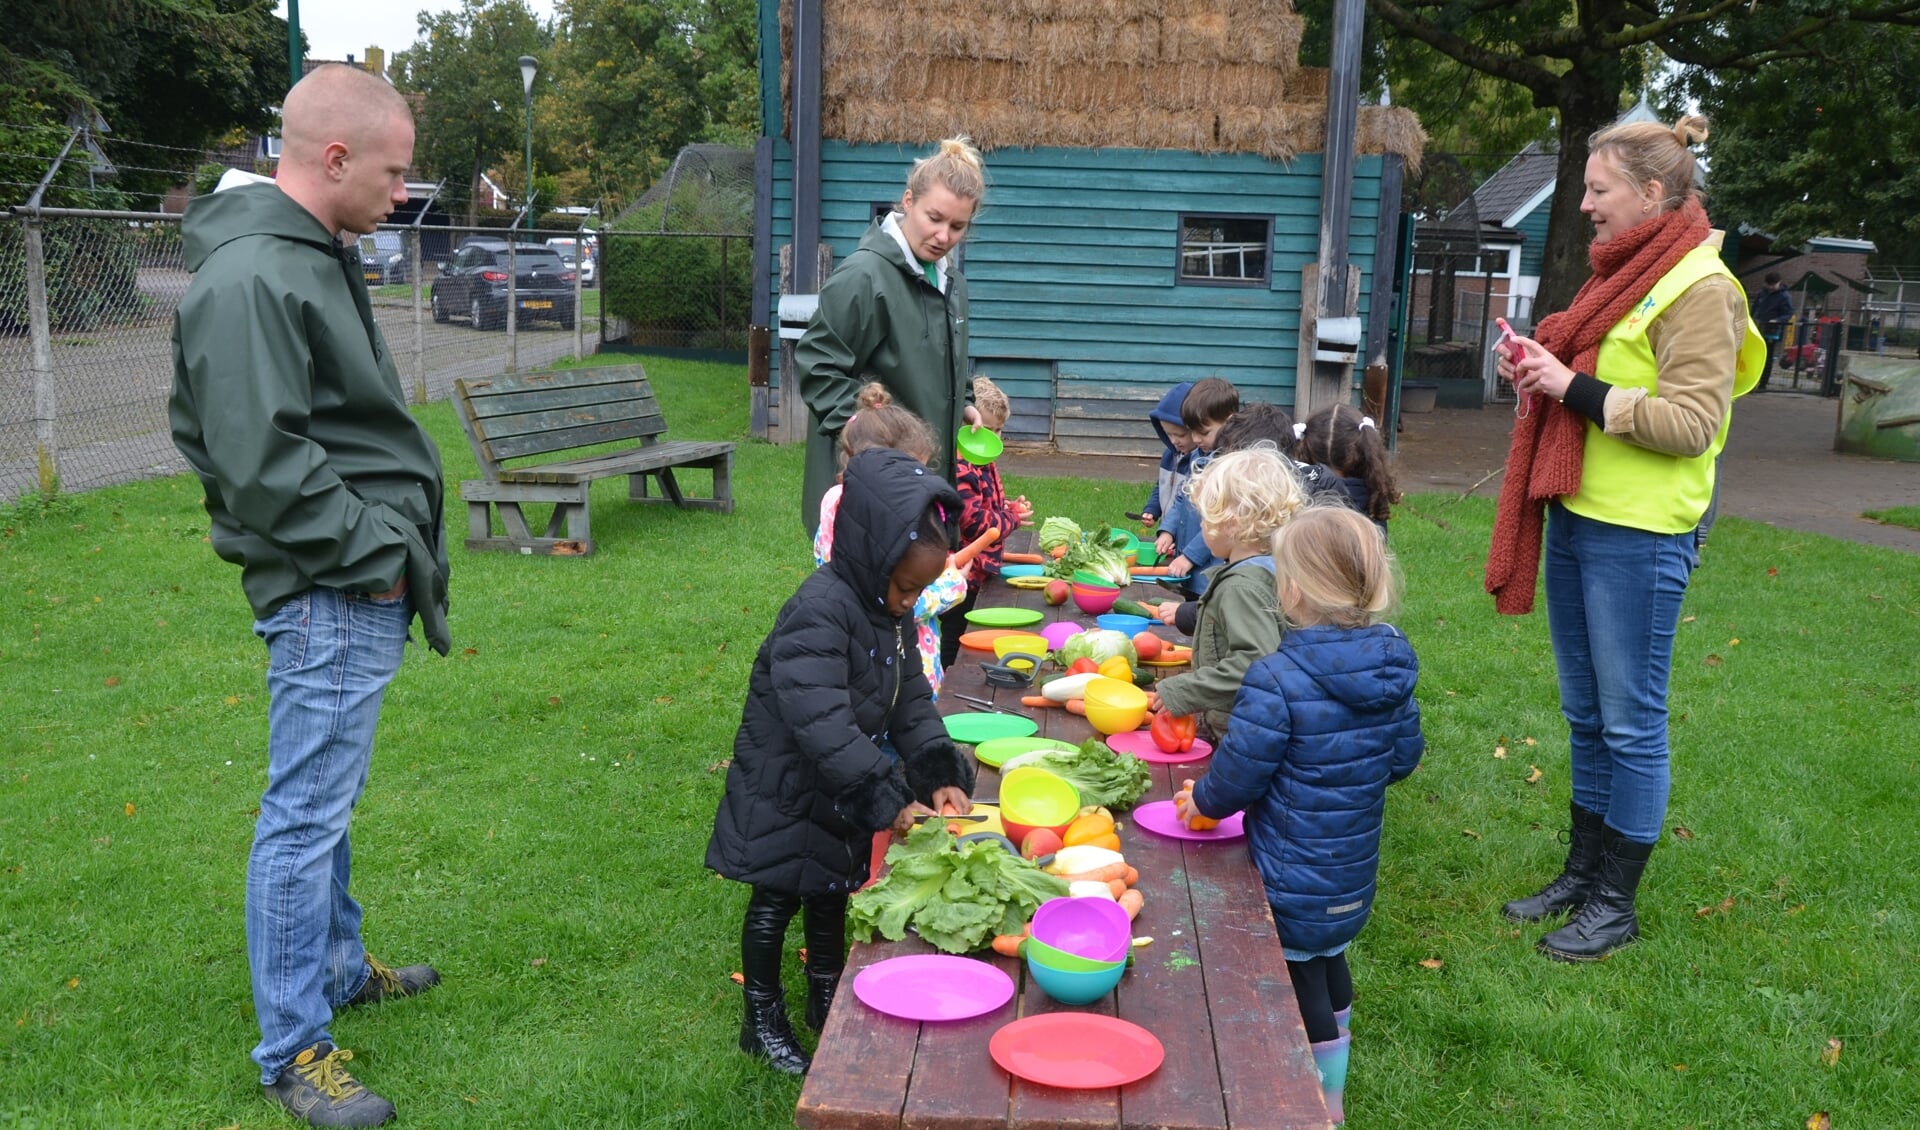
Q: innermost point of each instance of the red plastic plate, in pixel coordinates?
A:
(1076, 1050)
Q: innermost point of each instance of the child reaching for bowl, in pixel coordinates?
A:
(1241, 498)
(1320, 729)
(809, 785)
(882, 423)
(987, 508)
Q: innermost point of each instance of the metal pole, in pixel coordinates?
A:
(806, 147)
(419, 321)
(293, 44)
(579, 283)
(44, 404)
(529, 143)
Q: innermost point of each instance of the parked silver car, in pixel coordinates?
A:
(569, 252)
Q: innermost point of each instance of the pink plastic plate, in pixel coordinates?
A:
(932, 986)
(1077, 1050)
(1160, 819)
(1139, 743)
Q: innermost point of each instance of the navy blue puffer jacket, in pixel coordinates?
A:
(1320, 728)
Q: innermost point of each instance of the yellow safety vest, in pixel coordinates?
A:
(1629, 485)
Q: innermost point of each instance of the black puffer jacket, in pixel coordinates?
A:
(809, 785)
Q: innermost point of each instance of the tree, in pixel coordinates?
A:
(636, 82)
(178, 73)
(466, 65)
(1827, 145)
(1579, 59)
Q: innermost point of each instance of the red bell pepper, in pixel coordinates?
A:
(1083, 666)
(1172, 733)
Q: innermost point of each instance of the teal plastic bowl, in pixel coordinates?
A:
(1070, 987)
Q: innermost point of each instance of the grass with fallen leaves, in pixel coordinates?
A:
(540, 802)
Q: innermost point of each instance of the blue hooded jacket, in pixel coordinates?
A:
(1173, 464)
(1320, 728)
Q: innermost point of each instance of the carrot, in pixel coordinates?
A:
(1077, 706)
(1057, 552)
(966, 555)
(1100, 874)
(1008, 945)
(1117, 886)
(1039, 700)
(1150, 571)
(1012, 558)
(1133, 902)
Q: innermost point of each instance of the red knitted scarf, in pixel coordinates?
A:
(1550, 440)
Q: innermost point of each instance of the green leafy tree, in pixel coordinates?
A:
(635, 82)
(177, 73)
(466, 66)
(1826, 145)
(1580, 60)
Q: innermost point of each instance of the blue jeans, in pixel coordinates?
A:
(331, 655)
(1613, 602)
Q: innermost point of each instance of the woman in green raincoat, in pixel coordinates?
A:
(895, 311)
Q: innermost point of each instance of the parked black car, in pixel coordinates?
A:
(474, 285)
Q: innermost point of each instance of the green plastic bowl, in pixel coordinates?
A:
(978, 445)
(1053, 957)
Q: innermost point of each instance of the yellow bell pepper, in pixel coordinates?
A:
(1091, 828)
(1117, 667)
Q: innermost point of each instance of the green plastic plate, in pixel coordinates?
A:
(1005, 618)
(974, 729)
(998, 750)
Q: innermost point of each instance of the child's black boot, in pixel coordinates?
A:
(764, 1029)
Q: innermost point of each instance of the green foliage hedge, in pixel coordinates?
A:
(92, 274)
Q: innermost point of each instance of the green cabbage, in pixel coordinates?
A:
(1102, 776)
(1058, 531)
(1099, 645)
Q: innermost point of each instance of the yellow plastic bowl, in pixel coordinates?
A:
(1035, 798)
(1026, 644)
(1115, 707)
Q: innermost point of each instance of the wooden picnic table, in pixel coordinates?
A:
(1212, 987)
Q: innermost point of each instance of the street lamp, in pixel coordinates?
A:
(528, 66)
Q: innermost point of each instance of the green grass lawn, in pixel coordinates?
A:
(1908, 516)
(540, 802)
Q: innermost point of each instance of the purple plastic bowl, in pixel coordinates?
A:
(1056, 633)
(1093, 928)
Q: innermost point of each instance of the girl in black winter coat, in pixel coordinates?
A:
(810, 784)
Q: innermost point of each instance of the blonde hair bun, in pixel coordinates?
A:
(955, 164)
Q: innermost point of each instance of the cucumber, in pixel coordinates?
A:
(1132, 608)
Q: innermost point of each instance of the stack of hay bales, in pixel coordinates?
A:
(1209, 76)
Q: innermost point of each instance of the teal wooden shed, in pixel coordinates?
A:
(1154, 191)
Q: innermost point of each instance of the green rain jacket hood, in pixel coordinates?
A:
(287, 405)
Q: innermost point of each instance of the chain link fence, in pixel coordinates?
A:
(86, 319)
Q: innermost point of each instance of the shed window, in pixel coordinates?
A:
(1225, 250)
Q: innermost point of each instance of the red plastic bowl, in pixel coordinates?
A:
(1094, 599)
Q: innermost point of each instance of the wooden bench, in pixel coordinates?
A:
(546, 413)
(1213, 988)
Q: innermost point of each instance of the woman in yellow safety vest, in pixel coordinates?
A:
(1624, 401)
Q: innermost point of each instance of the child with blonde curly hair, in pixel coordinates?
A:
(1241, 499)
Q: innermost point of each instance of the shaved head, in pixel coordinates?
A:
(346, 142)
(336, 103)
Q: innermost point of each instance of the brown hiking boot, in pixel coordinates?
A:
(318, 1090)
(384, 981)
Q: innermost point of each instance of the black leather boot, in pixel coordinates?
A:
(1605, 922)
(766, 1032)
(1569, 889)
(764, 1029)
(825, 919)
